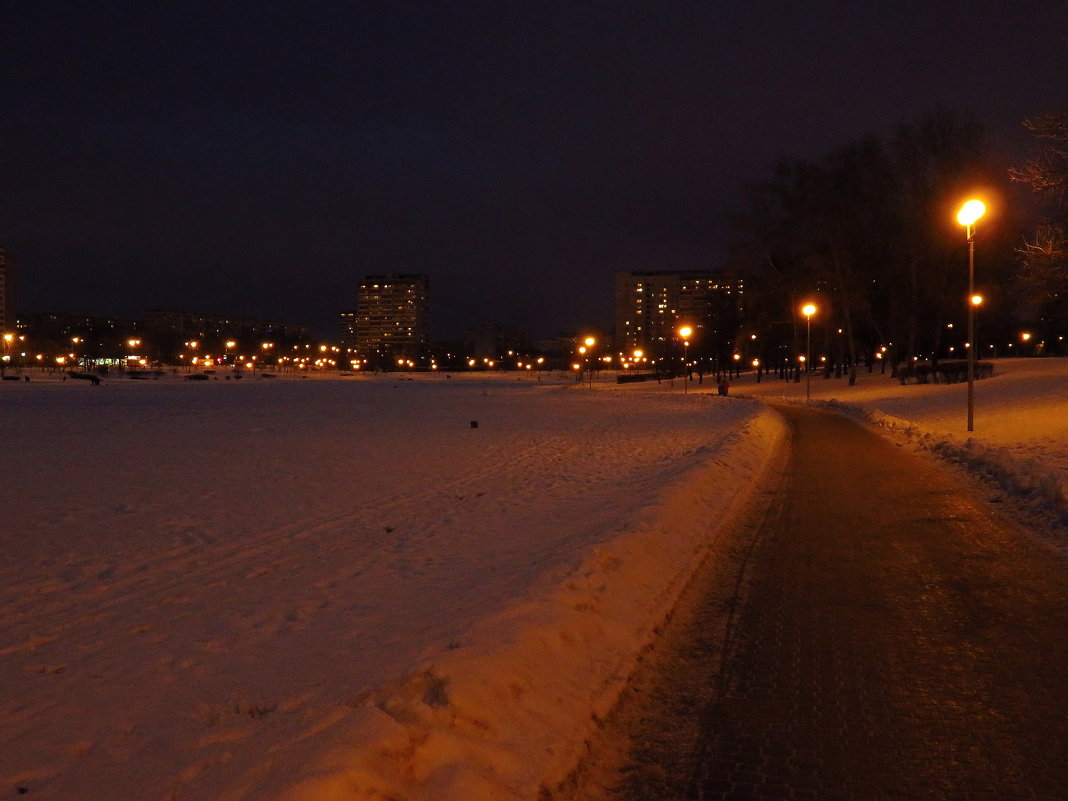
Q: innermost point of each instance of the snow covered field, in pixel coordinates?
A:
(340, 589)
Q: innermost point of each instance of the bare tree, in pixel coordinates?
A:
(1047, 172)
(1042, 270)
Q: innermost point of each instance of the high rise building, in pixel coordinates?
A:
(392, 318)
(348, 331)
(7, 292)
(651, 306)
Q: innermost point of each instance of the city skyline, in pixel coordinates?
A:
(256, 159)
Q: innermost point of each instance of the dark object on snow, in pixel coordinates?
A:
(85, 377)
(474, 424)
(724, 387)
(14, 378)
(952, 372)
(634, 378)
(198, 377)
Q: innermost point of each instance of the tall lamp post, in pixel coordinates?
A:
(685, 332)
(808, 310)
(968, 214)
(590, 342)
(974, 303)
(8, 339)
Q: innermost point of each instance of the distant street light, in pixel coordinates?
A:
(808, 310)
(8, 339)
(968, 214)
(590, 342)
(685, 332)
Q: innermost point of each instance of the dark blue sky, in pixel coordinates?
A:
(257, 158)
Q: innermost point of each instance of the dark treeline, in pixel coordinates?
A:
(869, 235)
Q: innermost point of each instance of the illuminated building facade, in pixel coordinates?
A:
(348, 331)
(392, 318)
(651, 306)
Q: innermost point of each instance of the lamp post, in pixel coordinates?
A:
(968, 214)
(808, 310)
(974, 302)
(590, 342)
(8, 339)
(685, 332)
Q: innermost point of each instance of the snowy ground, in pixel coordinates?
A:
(341, 590)
(249, 589)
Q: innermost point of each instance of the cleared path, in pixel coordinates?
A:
(896, 641)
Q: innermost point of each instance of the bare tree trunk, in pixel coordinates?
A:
(847, 314)
(914, 304)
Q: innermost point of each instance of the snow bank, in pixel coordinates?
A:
(507, 710)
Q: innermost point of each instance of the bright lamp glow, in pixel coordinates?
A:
(808, 310)
(970, 212)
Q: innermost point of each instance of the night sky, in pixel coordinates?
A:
(258, 158)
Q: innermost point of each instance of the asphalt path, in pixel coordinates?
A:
(877, 631)
(898, 640)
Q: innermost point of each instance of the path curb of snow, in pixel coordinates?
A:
(1026, 480)
(508, 711)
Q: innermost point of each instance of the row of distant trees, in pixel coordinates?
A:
(869, 234)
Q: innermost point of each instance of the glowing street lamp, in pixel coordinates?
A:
(685, 332)
(588, 351)
(976, 302)
(808, 310)
(967, 216)
(8, 339)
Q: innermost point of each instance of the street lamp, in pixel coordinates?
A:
(808, 310)
(968, 214)
(976, 302)
(590, 342)
(685, 332)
